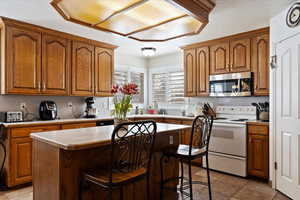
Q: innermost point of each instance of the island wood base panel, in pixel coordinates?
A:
(56, 172)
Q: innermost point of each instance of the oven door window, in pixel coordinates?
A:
(224, 86)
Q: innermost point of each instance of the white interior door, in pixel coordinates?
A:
(287, 117)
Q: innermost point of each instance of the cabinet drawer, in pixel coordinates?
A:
(187, 122)
(173, 121)
(261, 130)
(25, 132)
(78, 125)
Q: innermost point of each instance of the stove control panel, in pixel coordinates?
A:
(236, 110)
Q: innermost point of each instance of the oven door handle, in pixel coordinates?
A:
(226, 155)
(229, 125)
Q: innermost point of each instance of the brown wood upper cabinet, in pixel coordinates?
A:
(40, 61)
(56, 62)
(219, 58)
(244, 52)
(82, 69)
(240, 55)
(202, 67)
(260, 64)
(23, 61)
(190, 72)
(104, 59)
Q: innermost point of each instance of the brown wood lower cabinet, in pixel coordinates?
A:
(258, 151)
(21, 158)
(18, 166)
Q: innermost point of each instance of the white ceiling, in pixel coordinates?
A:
(228, 17)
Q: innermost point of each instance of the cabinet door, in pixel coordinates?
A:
(56, 61)
(219, 58)
(104, 65)
(82, 69)
(260, 58)
(21, 159)
(240, 55)
(23, 62)
(78, 125)
(202, 59)
(190, 73)
(258, 159)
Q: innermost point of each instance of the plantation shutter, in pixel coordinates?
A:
(138, 78)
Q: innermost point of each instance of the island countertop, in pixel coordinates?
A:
(77, 139)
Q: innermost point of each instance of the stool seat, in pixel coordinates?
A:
(99, 176)
(182, 151)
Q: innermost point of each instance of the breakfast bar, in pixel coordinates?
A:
(60, 156)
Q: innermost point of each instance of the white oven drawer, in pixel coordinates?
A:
(228, 139)
(224, 163)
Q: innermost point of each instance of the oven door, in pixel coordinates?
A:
(228, 139)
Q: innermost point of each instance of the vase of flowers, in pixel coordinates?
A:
(123, 100)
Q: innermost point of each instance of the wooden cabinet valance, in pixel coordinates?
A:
(40, 61)
(245, 52)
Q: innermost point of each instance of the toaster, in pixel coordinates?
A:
(9, 117)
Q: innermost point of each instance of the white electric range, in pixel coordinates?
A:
(228, 142)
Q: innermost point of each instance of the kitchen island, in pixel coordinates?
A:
(60, 156)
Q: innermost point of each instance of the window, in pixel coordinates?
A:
(138, 78)
(168, 87)
(122, 77)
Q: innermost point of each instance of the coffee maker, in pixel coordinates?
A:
(91, 111)
(48, 110)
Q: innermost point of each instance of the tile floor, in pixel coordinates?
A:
(224, 187)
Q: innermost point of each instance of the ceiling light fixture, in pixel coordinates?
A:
(142, 20)
(148, 51)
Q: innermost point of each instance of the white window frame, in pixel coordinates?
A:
(128, 68)
(165, 69)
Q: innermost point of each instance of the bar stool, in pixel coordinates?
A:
(197, 148)
(130, 158)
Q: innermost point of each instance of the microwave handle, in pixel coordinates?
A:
(239, 85)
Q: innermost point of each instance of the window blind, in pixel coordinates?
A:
(168, 87)
(120, 77)
(138, 78)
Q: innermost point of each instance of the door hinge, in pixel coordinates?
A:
(273, 63)
(275, 165)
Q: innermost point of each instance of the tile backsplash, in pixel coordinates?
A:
(12, 103)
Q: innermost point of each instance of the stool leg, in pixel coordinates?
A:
(181, 178)
(80, 189)
(148, 187)
(121, 193)
(161, 178)
(190, 179)
(208, 177)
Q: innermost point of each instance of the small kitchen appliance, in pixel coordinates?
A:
(10, 117)
(235, 84)
(48, 110)
(91, 111)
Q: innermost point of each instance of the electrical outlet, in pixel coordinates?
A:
(22, 106)
(171, 139)
(70, 104)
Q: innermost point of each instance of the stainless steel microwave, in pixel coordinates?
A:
(235, 84)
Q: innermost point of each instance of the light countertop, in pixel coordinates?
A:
(84, 138)
(102, 118)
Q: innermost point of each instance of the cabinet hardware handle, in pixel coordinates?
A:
(44, 86)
